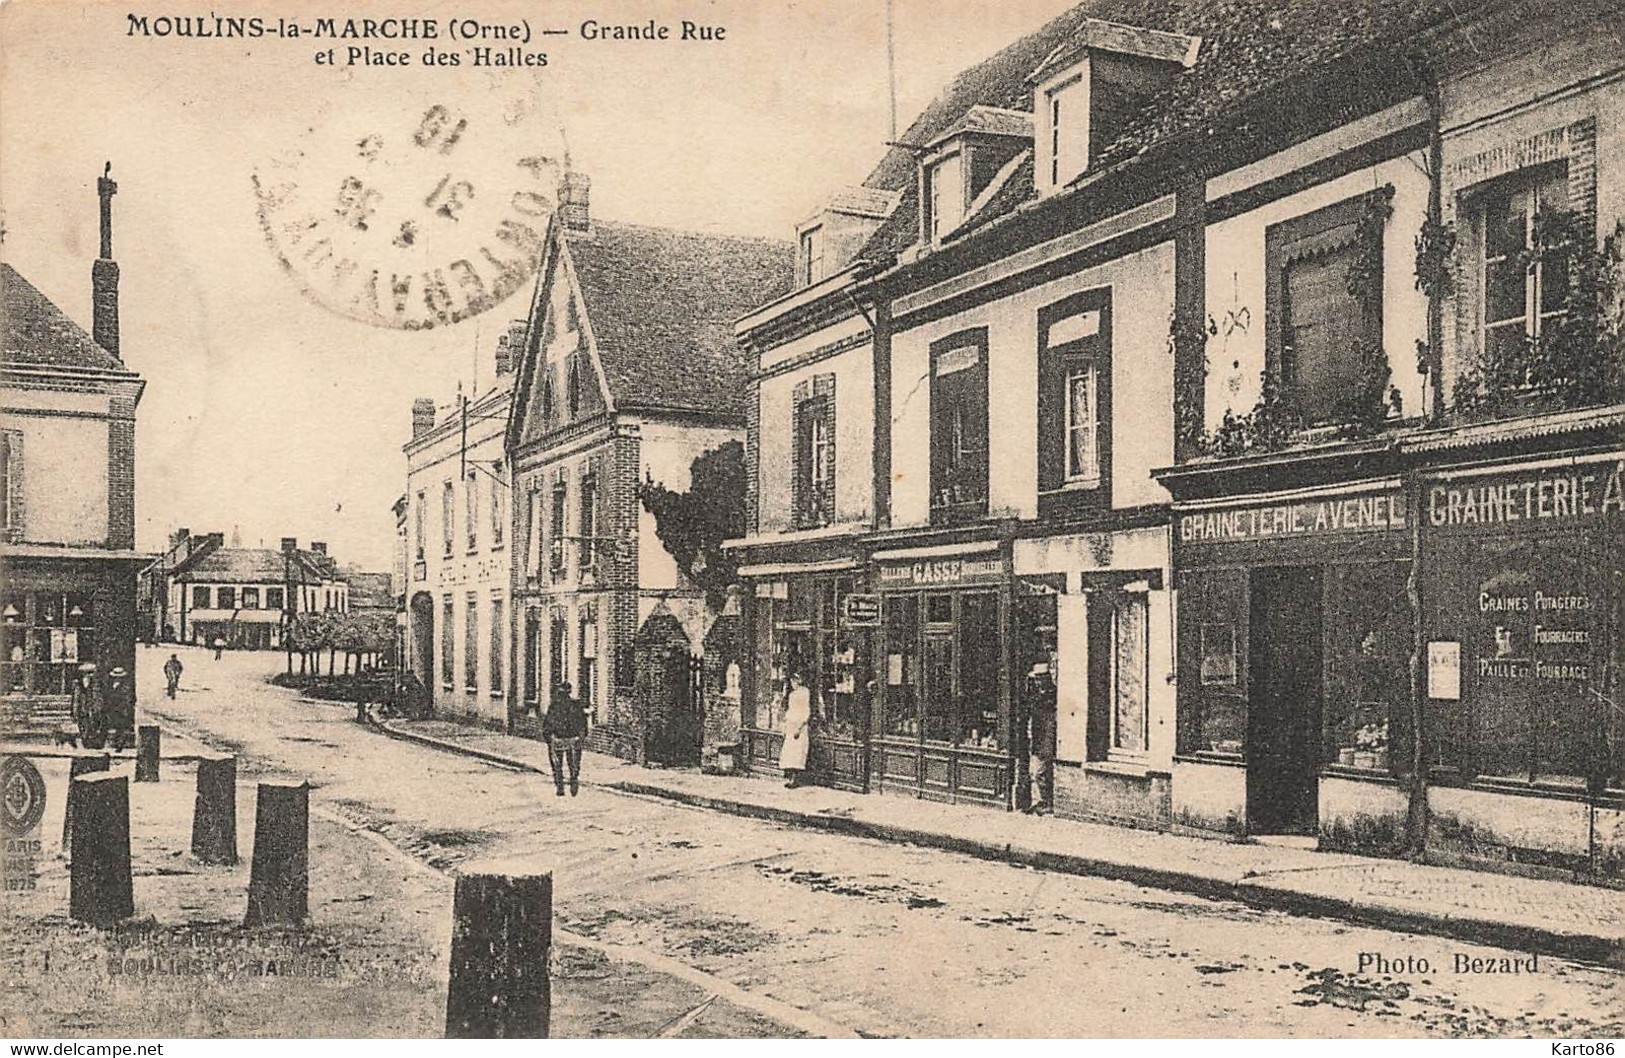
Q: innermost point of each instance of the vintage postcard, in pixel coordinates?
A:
(761, 519)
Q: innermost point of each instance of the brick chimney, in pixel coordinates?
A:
(511, 347)
(290, 544)
(422, 417)
(104, 273)
(319, 547)
(573, 192)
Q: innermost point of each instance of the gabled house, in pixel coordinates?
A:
(245, 597)
(68, 563)
(628, 372)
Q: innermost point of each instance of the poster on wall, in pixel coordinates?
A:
(1444, 671)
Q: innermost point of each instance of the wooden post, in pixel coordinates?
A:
(214, 813)
(279, 874)
(76, 767)
(148, 739)
(99, 889)
(501, 931)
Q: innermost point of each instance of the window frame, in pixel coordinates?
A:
(499, 507)
(974, 506)
(813, 412)
(471, 643)
(1529, 182)
(811, 239)
(1142, 601)
(935, 228)
(1060, 490)
(498, 659)
(420, 525)
(471, 507)
(448, 518)
(1332, 228)
(12, 503)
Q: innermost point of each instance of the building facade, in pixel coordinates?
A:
(628, 374)
(67, 525)
(1276, 442)
(458, 495)
(245, 598)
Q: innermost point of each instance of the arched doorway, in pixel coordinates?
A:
(420, 635)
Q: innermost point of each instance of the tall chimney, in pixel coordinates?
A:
(573, 192)
(504, 354)
(319, 547)
(104, 273)
(290, 544)
(422, 416)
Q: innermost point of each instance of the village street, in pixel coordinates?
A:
(880, 938)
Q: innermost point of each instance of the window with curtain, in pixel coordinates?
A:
(1521, 292)
(814, 486)
(959, 431)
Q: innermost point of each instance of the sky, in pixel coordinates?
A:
(270, 409)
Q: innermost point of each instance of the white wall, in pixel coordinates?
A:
(854, 440)
(64, 467)
(1142, 286)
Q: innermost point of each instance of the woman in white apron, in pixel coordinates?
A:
(797, 718)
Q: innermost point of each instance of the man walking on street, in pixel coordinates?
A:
(564, 727)
(219, 645)
(172, 673)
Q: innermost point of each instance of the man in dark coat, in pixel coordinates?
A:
(565, 728)
(172, 673)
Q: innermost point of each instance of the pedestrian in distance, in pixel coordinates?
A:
(564, 728)
(172, 673)
(797, 721)
(219, 645)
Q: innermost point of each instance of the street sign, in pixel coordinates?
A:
(861, 611)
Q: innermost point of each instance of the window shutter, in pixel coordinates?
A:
(1051, 422)
(801, 461)
(15, 510)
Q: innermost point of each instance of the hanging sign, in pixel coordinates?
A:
(860, 611)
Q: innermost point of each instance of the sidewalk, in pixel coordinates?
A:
(1524, 914)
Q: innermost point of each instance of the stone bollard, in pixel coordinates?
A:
(279, 872)
(214, 813)
(147, 741)
(76, 767)
(99, 889)
(502, 928)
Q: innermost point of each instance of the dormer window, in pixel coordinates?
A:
(812, 255)
(947, 193)
(1066, 128)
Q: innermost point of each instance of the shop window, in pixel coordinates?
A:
(903, 667)
(499, 663)
(225, 598)
(43, 638)
(842, 706)
(959, 433)
(251, 598)
(813, 489)
(448, 648)
(202, 597)
(1522, 291)
(275, 598)
(1074, 392)
(1323, 306)
(937, 697)
(981, 666)
(471, 644)
(768, 681)
(1212, 643)
(1366, 711)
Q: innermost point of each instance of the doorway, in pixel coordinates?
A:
(1284, 704)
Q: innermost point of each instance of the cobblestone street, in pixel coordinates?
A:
(876, 938)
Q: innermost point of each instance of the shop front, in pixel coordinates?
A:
(1522, 595)
(1294, 643)
(817, 620)
(945, 729)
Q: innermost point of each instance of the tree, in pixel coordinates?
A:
(692, 525)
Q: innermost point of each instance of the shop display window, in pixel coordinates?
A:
(979, 676)
(44, 636)
(1213, 608)
(903, 676)
(1366, 709)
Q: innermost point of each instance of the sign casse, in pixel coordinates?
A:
(861, 611)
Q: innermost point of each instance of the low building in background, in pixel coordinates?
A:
(246, 597)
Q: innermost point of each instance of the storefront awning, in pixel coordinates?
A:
(785, 569)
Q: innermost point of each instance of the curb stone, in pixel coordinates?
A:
(1579, 947)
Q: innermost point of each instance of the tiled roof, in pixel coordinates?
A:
(370, 591)
(1122, 39)
(661, 305)
(991, 121)
(259, 565)
(1247, 46)
(863, 201)
(38, 334)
